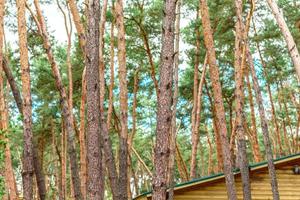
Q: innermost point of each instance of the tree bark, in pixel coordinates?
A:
(64, 103)
(292, 47)
(28, 170)
(217, 94)
(171, 171)
(123, 150)
(239, 54)
(9, 173)
(95, 181)
(264, 126)
(164, 105)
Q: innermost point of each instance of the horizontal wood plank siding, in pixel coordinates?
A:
(289, 185)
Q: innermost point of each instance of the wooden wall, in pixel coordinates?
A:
(289, 187)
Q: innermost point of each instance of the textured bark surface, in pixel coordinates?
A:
(239, 99)
(171, 170)
(40, 178)
(105, 124)
(292, 47)
(27, 160)
(264, 126)
(10, 182)
(95, 181)
(218, 101)
(164, 105)
(123, 148)
(66, 113)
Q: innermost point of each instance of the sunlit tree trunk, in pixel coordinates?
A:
(292, 47)
(182, 168)
(218, 101)
(9, 173)
(28, 170)
(164, 104)
(239, 99)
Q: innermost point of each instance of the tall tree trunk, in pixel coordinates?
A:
(108, 151)
(264, 126)
(28, 170)
(9, 173)
(164, 105)
(95, 181)
(195, 133)
(239, 54)
(123, 150)
(101, 68)
(40, 178)
(292, 47)
(217, 94)
(170, 180)
(66, 113)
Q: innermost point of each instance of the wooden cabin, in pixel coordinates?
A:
(213, 187)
